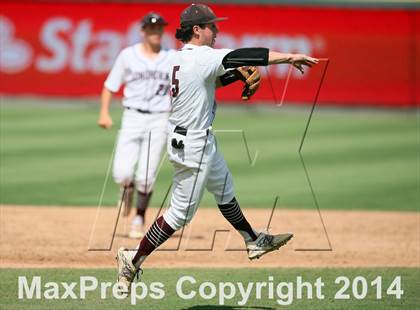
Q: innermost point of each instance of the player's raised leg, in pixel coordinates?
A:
(221, 185)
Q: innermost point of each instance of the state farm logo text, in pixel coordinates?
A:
(78, 47)
(15, 54)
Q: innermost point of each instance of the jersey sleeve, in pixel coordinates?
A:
(116, 77)
(211, 62)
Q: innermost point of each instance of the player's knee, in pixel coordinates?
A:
(173, 220)
(177, 220)
(223, 198)
(145, 187)
(223, 193)
(122, 178)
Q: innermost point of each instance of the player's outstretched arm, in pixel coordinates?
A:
(297, 60)
(241, 58)
(260, 56)
(105, 120)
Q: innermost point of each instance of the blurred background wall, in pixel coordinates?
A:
(66, 48)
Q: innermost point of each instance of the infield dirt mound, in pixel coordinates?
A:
(60, 237)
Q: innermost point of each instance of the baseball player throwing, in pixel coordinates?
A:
(197, 69)
(144, 70)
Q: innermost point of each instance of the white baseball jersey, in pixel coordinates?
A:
(199, 164)
(146, 80)
(194, 72)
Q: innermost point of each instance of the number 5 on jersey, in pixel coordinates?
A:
(175, 82)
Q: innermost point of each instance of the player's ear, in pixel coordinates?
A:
(196, 29)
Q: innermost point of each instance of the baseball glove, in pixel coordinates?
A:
(251, 77)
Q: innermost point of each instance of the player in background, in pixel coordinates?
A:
(197, 70)
(143, 69)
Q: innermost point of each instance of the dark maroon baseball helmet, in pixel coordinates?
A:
(198, 14)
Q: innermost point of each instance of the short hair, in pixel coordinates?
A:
(185, 33)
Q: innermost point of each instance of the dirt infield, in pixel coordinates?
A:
(60, 237)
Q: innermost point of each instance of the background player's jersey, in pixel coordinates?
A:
(193, 76)
(146, 81)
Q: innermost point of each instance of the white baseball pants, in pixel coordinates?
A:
(141, 140)
(197, 166)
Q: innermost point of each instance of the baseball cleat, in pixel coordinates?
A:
(126, 201)
(266, 243)
(126, 271)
